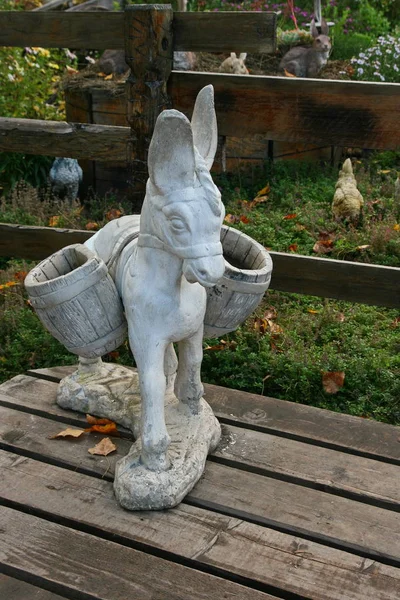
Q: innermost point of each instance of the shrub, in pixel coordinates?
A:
(380, 62)
(347, 46)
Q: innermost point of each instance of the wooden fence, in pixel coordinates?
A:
(285, 109)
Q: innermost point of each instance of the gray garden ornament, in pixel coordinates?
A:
(156, 274)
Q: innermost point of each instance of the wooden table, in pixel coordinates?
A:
(296, 503)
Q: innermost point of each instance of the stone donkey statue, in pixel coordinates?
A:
(162, 275)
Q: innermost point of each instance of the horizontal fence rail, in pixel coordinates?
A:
(197, 32)
(57, 138)
(319, 111)
(327, 278)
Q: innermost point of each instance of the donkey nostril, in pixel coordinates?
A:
(202, 273)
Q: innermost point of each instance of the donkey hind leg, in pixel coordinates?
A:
(149, 358)
(170, 366)
(188, 386)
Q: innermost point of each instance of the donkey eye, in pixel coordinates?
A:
(178, 225)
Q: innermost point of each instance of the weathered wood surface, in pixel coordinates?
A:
(271, 455)
(288, 507)
(294, 564)
(293, 109)
(328, 278)
(148, 53)
(288, 420)
(12, 589)
(54, 138)
(200, 32)
(210, 32)
(58, 555)
(97, 31)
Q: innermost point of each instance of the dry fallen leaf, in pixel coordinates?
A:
(340, 317)
(103, 448)
(69, 432)
(53, 221)
(312, 311)
(293, 247)
(274, 327)
(291, 216)
(364, 247)
(264, 192)
(91, 226)
(223, 345)
(108, 77)
(231, 219)
(71, 70)
(109, 428)
(289, 74)
(396, 226)
(270, 313)
(244, 219)
(97, 421)
(323, 246)
(113, 213)
(332, 381)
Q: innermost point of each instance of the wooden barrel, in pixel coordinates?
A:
(77, 301)
(248, 268)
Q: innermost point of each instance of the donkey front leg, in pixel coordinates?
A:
(188, 386)
(149, 356)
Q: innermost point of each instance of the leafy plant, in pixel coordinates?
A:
(380, 62)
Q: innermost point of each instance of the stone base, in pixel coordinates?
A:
(111, 391)
(103, 390)
(192, 438)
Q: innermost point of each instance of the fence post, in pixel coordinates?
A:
(148, 53)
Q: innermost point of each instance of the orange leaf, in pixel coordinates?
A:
(293, 247)
(260, 325)
(98, 421)
(396, 226)
(113, 355)
(20, 275)
(312, 311)
(259, 200)
(91, 226)
(109, 428)
(323, 246)
(264, 192)
(289, 74)
(71, 70)
(108, 77)
(332, 381)
(231, 219)
(8, 284)
(53, 221)
(274, 327)
(291, 216)
(69, 432)
(103, 448)
(114, 213)
(244, 219)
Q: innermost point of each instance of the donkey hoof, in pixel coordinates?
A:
(155, 462)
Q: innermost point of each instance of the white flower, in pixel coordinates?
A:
(396, 68)
(360, 70)
(10, 77)
(360, 62)
(90, 60)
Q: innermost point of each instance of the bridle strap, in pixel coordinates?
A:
(148, 240)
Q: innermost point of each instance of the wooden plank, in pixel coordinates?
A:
(328, 278)
(224, 31)
(200, 32)
(288, 507)
(288, 419)
(58, 558)
(351, 281)
(95, 30)
(56, 138)
(34, 243)
(12, 589)
(323, 112)
(242, 549)
(271, 455)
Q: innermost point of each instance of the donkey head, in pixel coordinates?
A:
(183, 208)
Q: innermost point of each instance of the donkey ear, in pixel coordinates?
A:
(171, 159)
(243, 55)
(233, 54)
(204, 125)
(313, 29)
(324, 27)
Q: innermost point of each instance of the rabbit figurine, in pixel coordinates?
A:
(308, 62)
(235, 65)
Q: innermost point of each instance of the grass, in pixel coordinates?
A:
(309, 336)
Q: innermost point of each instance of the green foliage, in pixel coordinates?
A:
(30, 168)
(361, 341)
(347, 46)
